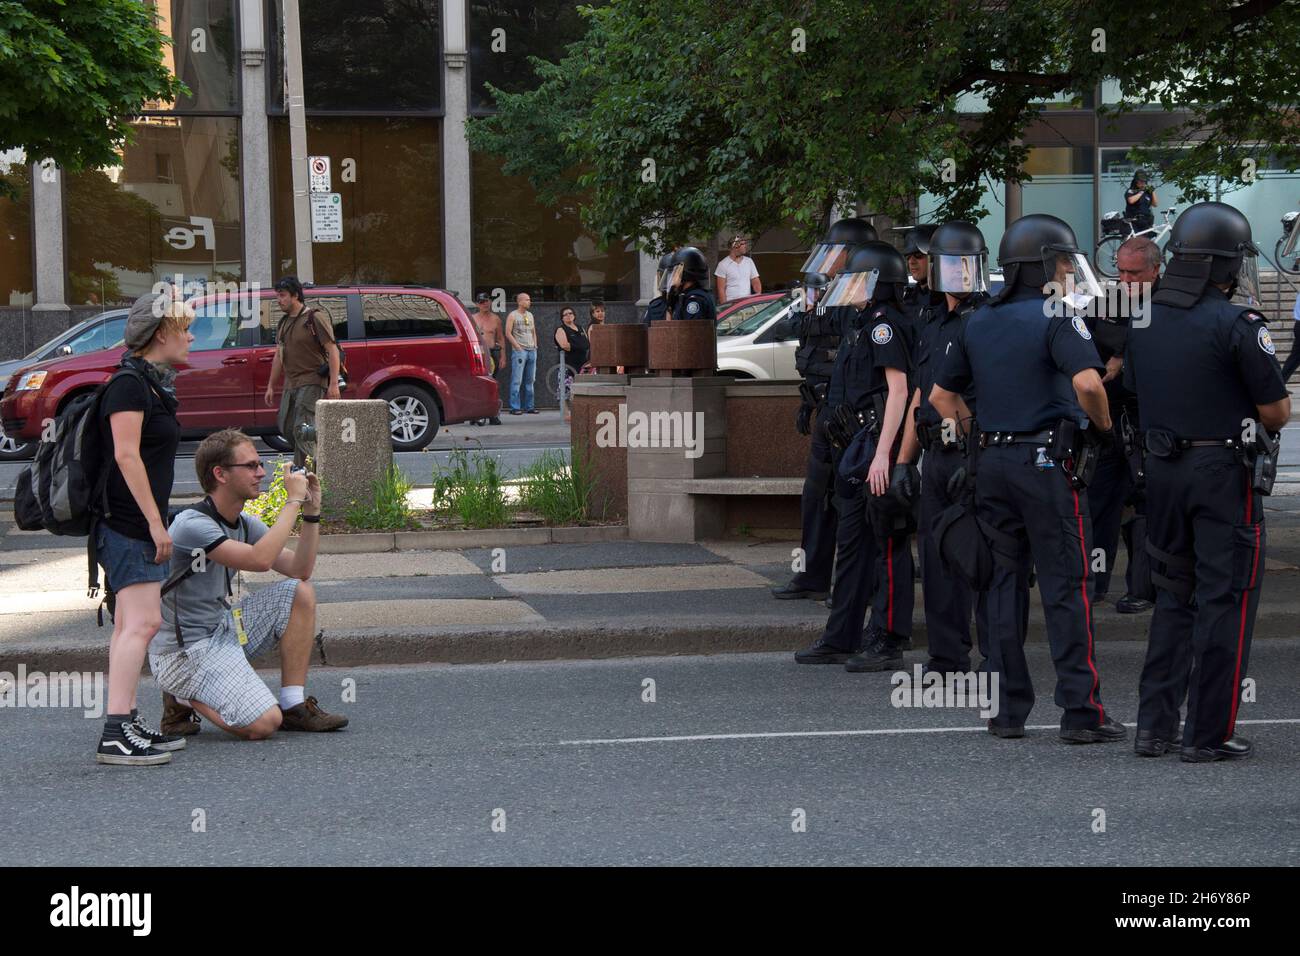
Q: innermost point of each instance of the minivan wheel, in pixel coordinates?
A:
(276, 442)
(16, 449)
(412, 416)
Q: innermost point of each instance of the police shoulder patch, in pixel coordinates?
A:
(692, 307)
(1081, 327)
(882, 334)
(1265, 340)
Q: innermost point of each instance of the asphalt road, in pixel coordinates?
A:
(514, 448)
(433, 752)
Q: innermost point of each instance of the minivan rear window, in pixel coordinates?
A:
(393, 315)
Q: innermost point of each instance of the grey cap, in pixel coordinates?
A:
(144, 318)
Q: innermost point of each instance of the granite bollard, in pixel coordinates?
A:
(354, 449)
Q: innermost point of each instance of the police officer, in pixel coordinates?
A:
(1212, 397)
(865, 400)
(916, 249)
(1116, 483)
(657, 310)
(958, 275)
(818, 329)
(691, 276)
(1035, 374)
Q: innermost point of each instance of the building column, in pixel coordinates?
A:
(255, 149)
(47, 249)
(456, 233)
(647, 265)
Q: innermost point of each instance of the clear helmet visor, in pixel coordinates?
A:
(671, 277)
(959, 275)
(810, 296)
(828, 258)
(1070, 275)
(851, 288)
(1247, 279)
(1292, 238)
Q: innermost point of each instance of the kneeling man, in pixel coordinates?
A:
(211, 630)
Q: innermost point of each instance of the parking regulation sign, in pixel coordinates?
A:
(326, 217)
(319, 169)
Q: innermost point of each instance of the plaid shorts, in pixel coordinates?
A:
(217, 672)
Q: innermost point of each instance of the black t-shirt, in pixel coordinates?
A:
(1140, 209)
(160, 434)
(579, 347)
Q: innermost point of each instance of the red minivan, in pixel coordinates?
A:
(413, 347)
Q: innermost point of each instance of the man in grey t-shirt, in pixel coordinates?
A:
(211, 630)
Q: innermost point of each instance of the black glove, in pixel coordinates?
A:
(803, 421)
(1104, 439)
(957, 484)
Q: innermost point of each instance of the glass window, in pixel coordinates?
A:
(522, 246)
(333, 308)
(502, 37)
(388, 173)
(777, 254)
(395, 316)
(992, 225)
(362, 55)
(16, 232)
(100, 335)
(215, 326)
(132, 224)
(203, 53)
(1062, 187)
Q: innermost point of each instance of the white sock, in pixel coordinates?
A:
(182, 701)
(292, 696)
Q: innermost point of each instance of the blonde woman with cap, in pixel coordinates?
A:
(140, 434)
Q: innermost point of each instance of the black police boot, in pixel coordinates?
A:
(792, 592)
(884, 655)
(821, 653)
(1007, 731)
(1234, 748)
(1128, 604)
(827, 602)
(1108, 732)
(1154, 743)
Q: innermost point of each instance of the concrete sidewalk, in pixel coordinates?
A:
(521, 601)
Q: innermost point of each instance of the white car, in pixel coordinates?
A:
(762, 346)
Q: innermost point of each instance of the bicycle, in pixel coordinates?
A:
(1116, 230)
(1286, 247)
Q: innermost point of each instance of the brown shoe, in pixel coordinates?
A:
(177, 718)
(309, 717)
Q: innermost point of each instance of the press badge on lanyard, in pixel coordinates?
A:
(238, 615)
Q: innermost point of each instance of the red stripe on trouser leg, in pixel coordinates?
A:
(1245, 604)
(889, 596)
(1087, 612)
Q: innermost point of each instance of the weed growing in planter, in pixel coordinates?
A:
(389, 511)
(473, 490)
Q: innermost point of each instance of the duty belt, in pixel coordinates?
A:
(1044, 437)
(931, 438)
(1205, 442)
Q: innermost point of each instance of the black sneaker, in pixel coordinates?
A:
(157, 739)
(793, 592)
(121, 745)
(1108, 732)
(820, 653)
(494, 420)
(1129, 604)
(1234, 748)
(885, 655)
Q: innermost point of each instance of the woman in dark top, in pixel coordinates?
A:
(140, 434)
(1139, 198)
(574, 348)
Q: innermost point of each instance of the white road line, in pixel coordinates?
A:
(885, 732)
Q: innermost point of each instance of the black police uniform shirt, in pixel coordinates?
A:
(656, 310)
(1107, 333)
(819, 333)
(1021, 361)
(935, 339)
(878, 340)
(695, 304)
(1140, 209)
(1200, 372)
(160, 436)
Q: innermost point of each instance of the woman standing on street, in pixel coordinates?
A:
(140, 433)
(574, 350)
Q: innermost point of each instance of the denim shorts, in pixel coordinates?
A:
(127, 561)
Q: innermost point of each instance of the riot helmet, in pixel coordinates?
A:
(959, 259)
(917, 240)
(829, 255)
(663, 273)
(875, 271)
(1211, 242)
(1039, 249)
(814, 286)
(689, 264)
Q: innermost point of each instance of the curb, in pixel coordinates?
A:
(592, 641)
(371, 543)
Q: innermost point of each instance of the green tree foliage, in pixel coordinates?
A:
(755, 112)
(73, 73)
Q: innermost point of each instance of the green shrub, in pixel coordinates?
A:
(389, 511)
(473, 490)
(560, 493)
(267, 505)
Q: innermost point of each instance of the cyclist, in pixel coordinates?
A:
(1139, 199)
